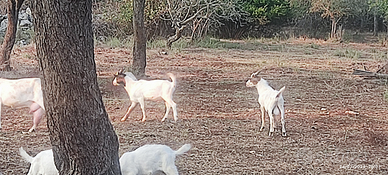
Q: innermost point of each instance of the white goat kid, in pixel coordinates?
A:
(149, 159)
(140, 90)
(271, 101)
(24, 92)
(41, 164)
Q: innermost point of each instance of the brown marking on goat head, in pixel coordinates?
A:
(255, 80)
(120, 77)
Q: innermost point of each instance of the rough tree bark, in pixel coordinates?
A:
(82, 137)
(13, 7)
(140, 40)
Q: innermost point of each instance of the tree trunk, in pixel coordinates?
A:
(13, 7)
(375, 24)
(178, 35)
(140, 40)
(333, 28)
(82, 137)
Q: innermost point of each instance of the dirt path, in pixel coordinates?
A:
(219, 115)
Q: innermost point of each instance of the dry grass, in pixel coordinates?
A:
(219, 114)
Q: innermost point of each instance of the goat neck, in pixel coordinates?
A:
(262, 86)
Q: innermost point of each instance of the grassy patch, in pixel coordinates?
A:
(386, 95)
(348, 53)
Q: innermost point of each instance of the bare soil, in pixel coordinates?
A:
(219, 116)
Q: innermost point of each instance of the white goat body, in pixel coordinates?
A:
(41, 164)
(141, 90)
(24, 92)
(149, 159)
(271, 101)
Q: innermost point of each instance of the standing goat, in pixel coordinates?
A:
(25, 92)
(149, 159)
(42, 163)
(271, 101)
(140, 90)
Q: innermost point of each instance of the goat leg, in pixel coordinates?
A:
(271, 124)
(142, 110)
(37, 117)
(262, 117)
(283, 123)
(167, 111)
(130, 109)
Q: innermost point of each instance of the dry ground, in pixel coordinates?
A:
(219, 115)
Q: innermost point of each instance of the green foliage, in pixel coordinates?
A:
(152, 10)
(386, 95)
(126, 13)
(114, 42)
(157, 43)
(380, 6)
(209, 42)
(348, 53)
(266, 10)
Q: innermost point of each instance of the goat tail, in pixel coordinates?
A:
(173, 78)
(183, 149)
(280, 92)
(24, 154)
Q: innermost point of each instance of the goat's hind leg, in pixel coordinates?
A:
(167, 111)
(170, 104)
(130, 109)
(283, 120)
(37, 117)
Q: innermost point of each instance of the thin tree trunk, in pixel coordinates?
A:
(375, 24)
(333, 28)
(10, 35)
(82, 137)
(178, 35)
(140, 40)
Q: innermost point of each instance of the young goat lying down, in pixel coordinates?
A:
(149, 159)
(41, 164)
(271, 101)
(140, 90)
(24, 92)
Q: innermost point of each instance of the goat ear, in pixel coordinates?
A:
(255, 75)
(121, 71)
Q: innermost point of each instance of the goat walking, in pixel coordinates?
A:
(25, 92)
(141, 90)
(271, 101)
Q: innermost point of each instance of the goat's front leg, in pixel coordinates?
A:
(130, 109)
(271, 124)
(262, 117)
(142, 110)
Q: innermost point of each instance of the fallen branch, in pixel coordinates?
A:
(369, 74)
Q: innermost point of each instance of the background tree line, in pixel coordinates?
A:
(237, 19)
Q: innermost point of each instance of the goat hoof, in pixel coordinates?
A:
(122, 120)
(261, 129)
(284, 134)
(270, 134)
